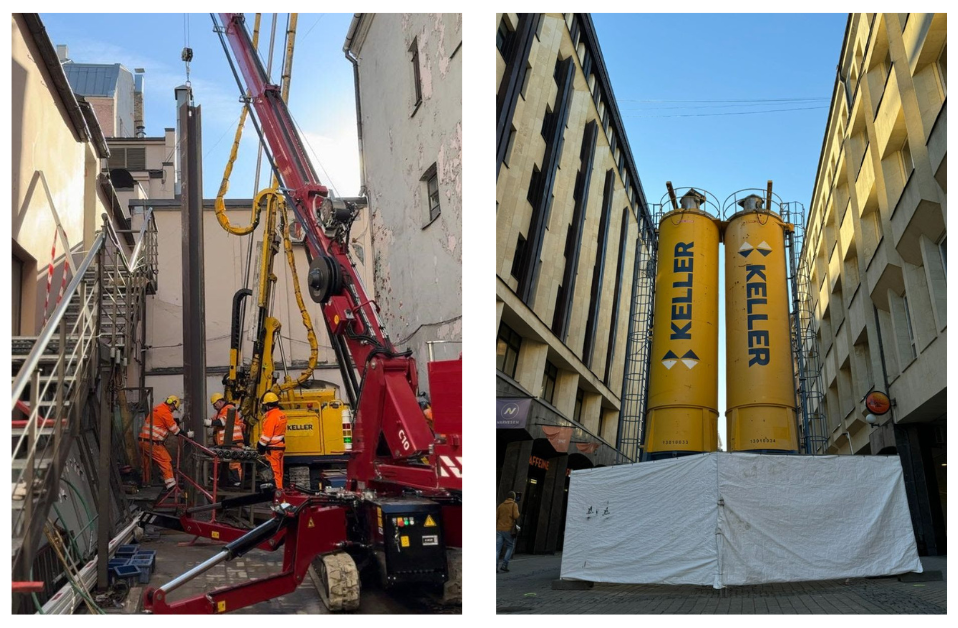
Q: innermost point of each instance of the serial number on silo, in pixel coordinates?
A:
(675, 442)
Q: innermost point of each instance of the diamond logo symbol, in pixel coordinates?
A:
(745, 249)
(764, 248)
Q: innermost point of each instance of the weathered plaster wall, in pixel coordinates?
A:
(417, 264)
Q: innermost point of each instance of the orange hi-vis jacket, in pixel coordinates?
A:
(162, 424)
(273, 433)
(219, 426)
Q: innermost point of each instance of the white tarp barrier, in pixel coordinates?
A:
(730, 519)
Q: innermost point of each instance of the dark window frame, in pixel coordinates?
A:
(512, 341)
(550, 376)
(417, 77)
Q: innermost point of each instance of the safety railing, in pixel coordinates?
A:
(101, 308)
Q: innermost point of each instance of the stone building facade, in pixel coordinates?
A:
(875, 254)
(569, 212)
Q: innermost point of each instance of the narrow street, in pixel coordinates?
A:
(527, 589)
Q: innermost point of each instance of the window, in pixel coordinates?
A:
(414, 51)
(549, 382)
(942, 63)
(944, 262)
(911, 333)
(17, 294)
(507, 350)
(431, 178)
(577, 409)
(605, 119)
(131, 158)
(533, 186)
(517, 258)
(503, 36)
(907, 164)
(512, 141)
(546, 123)
(525, 81)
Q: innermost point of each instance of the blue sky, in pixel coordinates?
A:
(321, 98)
(778, 58)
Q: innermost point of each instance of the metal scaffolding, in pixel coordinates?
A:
(635, 383)
(809, 389)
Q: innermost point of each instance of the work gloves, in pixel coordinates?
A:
(208, 422)
(261, 448)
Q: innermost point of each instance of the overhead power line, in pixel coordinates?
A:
(795, 99)
(727, 113)
(740, 104)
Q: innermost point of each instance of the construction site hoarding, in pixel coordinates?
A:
(721, 519)
(683, 377)
(760, 390)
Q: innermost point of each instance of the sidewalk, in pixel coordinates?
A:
(527, 588)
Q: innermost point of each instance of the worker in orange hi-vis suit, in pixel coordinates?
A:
(272, 440)
(156, 428)
(218, 423)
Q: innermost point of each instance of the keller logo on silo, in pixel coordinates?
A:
(756, 295)
(682, 297)
(681, 323)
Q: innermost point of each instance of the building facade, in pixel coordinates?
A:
(570, 219)
(875, 255)
(109, 88)
(408, 81)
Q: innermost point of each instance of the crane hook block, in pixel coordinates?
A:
(324, 278)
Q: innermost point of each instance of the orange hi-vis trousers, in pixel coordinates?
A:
(275, 457)
(158, 454)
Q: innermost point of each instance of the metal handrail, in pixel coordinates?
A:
(46, 335)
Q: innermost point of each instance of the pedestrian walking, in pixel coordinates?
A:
(507, 528)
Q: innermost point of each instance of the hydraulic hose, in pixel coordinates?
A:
(307, 321)
(220, 204)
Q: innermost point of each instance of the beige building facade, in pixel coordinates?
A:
(571, 217)
(57, 196)
(875, 254)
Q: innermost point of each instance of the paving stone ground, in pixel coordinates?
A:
(527, 588)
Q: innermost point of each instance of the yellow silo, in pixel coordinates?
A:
(760, 391)
(682, 413)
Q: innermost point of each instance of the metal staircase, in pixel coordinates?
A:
(63, 373)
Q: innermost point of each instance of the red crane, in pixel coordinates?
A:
(402, 503)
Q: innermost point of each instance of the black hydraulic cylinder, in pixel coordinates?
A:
(254, 537)
(234, 502)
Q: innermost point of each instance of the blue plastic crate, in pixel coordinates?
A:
(126, 572)
(145, 568)
(116, 562)
(126, 550)
(147, 558)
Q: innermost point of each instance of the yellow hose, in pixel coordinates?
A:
(307, 321)
(220, 205)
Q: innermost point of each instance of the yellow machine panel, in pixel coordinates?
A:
(314, 425)
(760, 392)
(683, 374)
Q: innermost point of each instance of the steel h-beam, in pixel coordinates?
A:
(194, 319)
